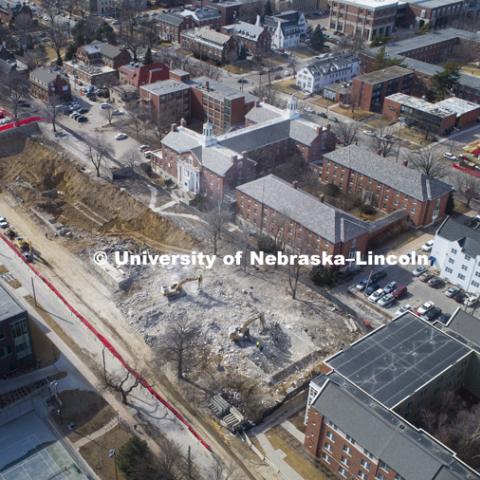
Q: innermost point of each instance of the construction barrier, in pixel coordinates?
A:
(106, 343)
(21, 123)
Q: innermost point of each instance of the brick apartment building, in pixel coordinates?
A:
(224, 106)
(365, 18)
(167, 101)
(256, 39)
(46, 85)
(101, 53)
(209, 44)
(214, 165)
(362, 410)
(439, 118)
(386, 185)
(170, 25)
(434, 13)
(138, 74)
(370, 89)
(16, 351)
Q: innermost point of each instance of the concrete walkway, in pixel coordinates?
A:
(294, 431)
(101, 431)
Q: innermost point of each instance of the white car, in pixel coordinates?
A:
(403, 309)
(427, 246)
(368, 132)
(471, 300)
(309, 110)
(419, 270)
(423, 309)
(142, 148)
(449, 156)
(376, 295)
(3, 223)
(121, 136)
(386, 300)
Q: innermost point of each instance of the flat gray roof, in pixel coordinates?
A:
(162, 87)
(393, 362)
(8, 306)
(389, 73)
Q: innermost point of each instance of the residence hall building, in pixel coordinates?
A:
(327, 69)
(456, 253)
(387, 185)
(16, 352)
(439, 118)
(213, 165)
(370, 89)
(434, 13)
(138, 74)
(304, 223)
(286, 28)
(46, 84)
(170, 25)
(206, 43)
(362, 409)
(364, 18)
(256, 39)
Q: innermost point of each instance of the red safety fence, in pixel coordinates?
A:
(21, 123)
(471, 171)
(106, 343)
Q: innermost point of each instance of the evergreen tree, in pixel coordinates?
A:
(317, 40)
(445, 81)
(450, 207)
(148, 60)
(242, 52)
(267, 10)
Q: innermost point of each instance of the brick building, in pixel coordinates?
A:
(387, 185)
(98, 75)
(204, 16)
(365, 18)
(101, 53)
(46, 84)
(167, 101)
(439, 118)
(209, 44)
(233, 10)
(256, 39)
(138, 74)
(434, 13)
(362, 411)
(16, 351)
(370, 89)
(170, 25)
(11, 10)
(214, 165)
(224, 106)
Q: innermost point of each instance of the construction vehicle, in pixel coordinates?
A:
(24, 245)
(176, 288)
(243, 333)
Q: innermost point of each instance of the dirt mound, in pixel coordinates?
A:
(84, 202)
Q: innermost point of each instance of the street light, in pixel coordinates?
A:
(112, 453)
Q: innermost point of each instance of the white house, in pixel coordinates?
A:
(456, 253)
(286, 28)
(327, 69)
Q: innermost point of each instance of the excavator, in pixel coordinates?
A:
(243, 333)
(176, 288)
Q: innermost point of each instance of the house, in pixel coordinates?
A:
(326, 70)
(362, 411)
(170, 25)
(286, 28)
(213, 165)
(370, 89)
(456, 253)
(256, 39)
(439, 118)
(387, 185)
(16, 351)
(209, 44)
(9, 65)
(167, 101)
(367, 19)
(46, 84)
(11, 10)
(138, 74)
(97, 52)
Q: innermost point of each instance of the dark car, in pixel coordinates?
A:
(376, 276)
(82, 119)
(435, 282)
(443, 318)
(400, 291)
(460, 297)
(83, 110)
(321, 114)
(371, 287)
(432, 314)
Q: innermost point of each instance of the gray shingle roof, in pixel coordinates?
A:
(181, 141)
(324, 66)
(406, 180)
(43, 76)
(171, 19)
(455, 231)
(320, 218)
(245, 30)
(465, 325)
(261, 114)
(214, 159)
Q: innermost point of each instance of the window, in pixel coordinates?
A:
(5, 351)
(477, 274)
(451, 260)
(448, 270)
(330, 436)
(467, 258)
(475, 284)
(344, 460)
(362, 475)
(460, 276)
(327, 447)
(453, 251)
(347, 449)
(383, 466)
(464, 267)
(366, 465)
(325, 458)
(342, 471)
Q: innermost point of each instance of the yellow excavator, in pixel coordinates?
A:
(243, 332)
(176, 288)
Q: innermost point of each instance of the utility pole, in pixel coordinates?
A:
(34, 294)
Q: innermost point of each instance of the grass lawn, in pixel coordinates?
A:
(322, 102)
(378, 122)
(357, 114)
(413, 136)
(471, 70)
(302, 53)
(280, 440)
(288, 86)
(297, 420)
(96, 453)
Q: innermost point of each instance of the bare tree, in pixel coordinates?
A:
(123, 385)
(54, 103)
(467, 186)
(58, 37)
(23, 25)
(383, 143)
(216, 220)
(425, 160)
(131, 157)
(107, 113)
(182, 343)
(97, 151)
(347, 133)
(17, 87)
(128, 34)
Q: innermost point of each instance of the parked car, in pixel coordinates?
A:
(368, 132)
(117, 111)
(321, 114)
(309, 110)
(425, 277)
(460, 297)
(376, 295)
(105, 106)
(370, 288)
(419, 270)
(444, 318)
(423, 309)
(400, 291)
(3, 222)
(121, 136)
(435, 282)
(403, 309)
(471, 300)
(142, 148)
(449, 156)
(376, 276)
(83, 110)
(427, 246)
(74, 115)
(452, 292)
(432, 314)
(390, 287)
(82, 119)
(386, 300)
